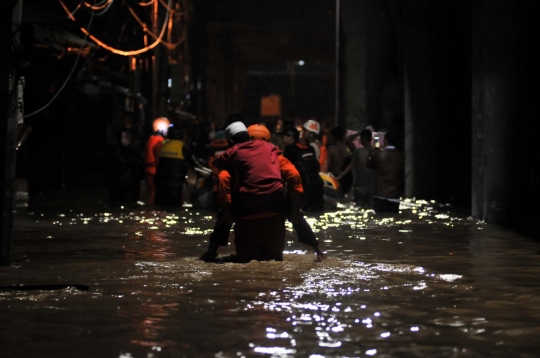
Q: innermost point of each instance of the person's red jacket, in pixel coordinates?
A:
(258, 168)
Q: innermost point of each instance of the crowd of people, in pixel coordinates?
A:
(260, 177)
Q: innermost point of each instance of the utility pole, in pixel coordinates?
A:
(155, 63)
(10, 22)
(337, 63)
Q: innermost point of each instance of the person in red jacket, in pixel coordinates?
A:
(153, 147)
(252, 195)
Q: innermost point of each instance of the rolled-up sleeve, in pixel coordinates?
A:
(291, 175)
(224, 187)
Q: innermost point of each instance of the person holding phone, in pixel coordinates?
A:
(388, 164)
(362, 175)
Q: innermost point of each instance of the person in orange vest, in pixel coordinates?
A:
(153, 147)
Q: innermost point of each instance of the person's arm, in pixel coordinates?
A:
(345, 171)
(351, 137)
(354, 160)
(294, 186)
(157, 150)
(224, 188)
(291, 175)
(191, 159)
(225, 218)
(331, 157)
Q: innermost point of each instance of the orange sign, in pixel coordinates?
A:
(271, 105)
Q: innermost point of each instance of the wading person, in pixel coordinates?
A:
(302, 155)
(339, 158)
(362, 175)
(251, 194)
(153, 147)
(171, 171)
(388, 165)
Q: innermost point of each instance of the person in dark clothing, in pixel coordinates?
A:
(302, 155)
(363, 176)
(388, 165)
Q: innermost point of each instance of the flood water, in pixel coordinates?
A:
(425, 283)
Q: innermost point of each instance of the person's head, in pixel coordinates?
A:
(161, 126)
(390, 138)
(220, 134)
(236, 132)
(312, 128)
(338, 133)
(289, 133)
(258, 131)
(365, 137)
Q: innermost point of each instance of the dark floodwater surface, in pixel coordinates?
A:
(424, 283)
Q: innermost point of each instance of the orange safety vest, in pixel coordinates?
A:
(153, 147)
(323, 159)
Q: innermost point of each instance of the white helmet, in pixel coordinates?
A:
(161, 125)
(312, 126)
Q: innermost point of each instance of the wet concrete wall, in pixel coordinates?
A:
(505, 170)
(407, 68)
(437, 61)
(370, 71)
(466, 85)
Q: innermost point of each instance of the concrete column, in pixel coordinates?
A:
(501, 162)
(8, 125)
(369, 57)
(420, 104)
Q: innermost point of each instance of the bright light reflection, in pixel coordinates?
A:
(274, 350)
(371, 352)
(330, 344)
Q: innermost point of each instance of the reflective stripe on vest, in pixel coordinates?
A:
(172, 149)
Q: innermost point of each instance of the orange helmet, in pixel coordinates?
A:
(161, 125)
(258, 131)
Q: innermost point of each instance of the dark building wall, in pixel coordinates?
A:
(407, 68)
(371, 65)
(437, 47)
(505, 163)
(466, 85)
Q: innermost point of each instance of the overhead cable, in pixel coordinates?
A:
(132, 52)
(168, 6)
(147, 3)
(108, 6)
(99, 6)
(70, 73)
(152, 34)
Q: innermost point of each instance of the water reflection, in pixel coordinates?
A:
(426, 282)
